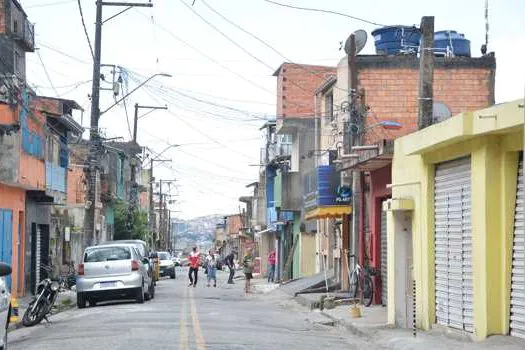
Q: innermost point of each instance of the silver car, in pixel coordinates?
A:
(112, 271)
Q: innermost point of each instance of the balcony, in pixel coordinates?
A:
(275, 151)
(26, 36)
(55, 178)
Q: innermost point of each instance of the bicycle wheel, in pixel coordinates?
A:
(368, 291)
(354, 283)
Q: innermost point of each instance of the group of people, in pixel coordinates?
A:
(212, 262)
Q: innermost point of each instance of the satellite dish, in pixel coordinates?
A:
(360, 41)
(440, 112)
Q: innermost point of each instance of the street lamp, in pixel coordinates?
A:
(135, 89)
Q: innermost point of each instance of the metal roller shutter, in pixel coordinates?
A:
(517, 296)
(453, 244)
(384, 289)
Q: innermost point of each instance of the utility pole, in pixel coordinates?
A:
(162, 218)
(354, 119)
(426, 73)
(94, 138)
(151, 221)
(133, 200)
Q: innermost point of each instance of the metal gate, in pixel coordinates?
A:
(517, 295)
(453, 244)
(39, 253)
(6, 239)
(384, 269)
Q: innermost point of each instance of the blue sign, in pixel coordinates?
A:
(344, 194)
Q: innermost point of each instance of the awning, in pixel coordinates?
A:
(335, 211)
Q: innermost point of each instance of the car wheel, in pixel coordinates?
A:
(152, 293)
(81, 300)
(92, 302)
(139, 294)
(147, 295)
(173, 275)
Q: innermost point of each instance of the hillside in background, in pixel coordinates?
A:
(197, 231)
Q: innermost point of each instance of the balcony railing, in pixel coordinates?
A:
(275, 150)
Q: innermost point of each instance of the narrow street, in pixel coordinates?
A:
(181, 317)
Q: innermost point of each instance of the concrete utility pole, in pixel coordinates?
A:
(133, 200)
(162, 219)
(95, 144)
(426, 73)
(354, 119)
(151, 221)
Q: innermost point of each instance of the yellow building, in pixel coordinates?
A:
(455, 232)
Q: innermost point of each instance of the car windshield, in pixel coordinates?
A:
(164, 256)
(107, 254)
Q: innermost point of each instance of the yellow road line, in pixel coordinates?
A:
(199, 338)
(183, 334)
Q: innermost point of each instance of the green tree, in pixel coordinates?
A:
(140, 222)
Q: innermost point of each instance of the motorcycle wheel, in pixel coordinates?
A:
(32, 318)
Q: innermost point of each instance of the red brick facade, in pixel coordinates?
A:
(391, 92)
(296, 86)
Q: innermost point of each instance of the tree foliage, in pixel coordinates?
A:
(140, 222)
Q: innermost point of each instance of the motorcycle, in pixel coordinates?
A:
(45, 297)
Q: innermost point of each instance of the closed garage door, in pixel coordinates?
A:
(517, 296)
(453, 244)
(384, 269)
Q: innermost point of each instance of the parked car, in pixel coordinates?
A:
(5, 304)
(113, 271)
(145, 252)
(167, 266)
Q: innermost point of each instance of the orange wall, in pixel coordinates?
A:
(32, 171)
(75, 186)
(14, 199)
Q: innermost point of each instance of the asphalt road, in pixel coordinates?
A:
(181, 317)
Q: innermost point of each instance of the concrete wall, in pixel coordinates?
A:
(493, 144)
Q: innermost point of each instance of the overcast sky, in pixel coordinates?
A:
(219, 94)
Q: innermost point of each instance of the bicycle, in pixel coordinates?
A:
(360, 279)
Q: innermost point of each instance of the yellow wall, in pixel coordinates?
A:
(308, 256)
(493, 144)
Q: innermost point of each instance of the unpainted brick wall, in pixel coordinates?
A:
(296, 85)
(2, 17)
(392, 94)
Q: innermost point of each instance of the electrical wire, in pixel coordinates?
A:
(85, 29)
(49, 4)
(324, 11)
(210, 58)
(301, 66)
(47, 73)
(47, 46)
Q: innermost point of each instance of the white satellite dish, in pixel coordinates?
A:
(360, 41)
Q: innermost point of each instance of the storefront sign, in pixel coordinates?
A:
(344, 194)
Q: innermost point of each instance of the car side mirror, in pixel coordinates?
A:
(145, 261)
(5, 270)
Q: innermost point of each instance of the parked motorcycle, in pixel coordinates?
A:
(45, 297)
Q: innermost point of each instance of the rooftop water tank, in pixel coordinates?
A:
(393, 40)
(451, 43)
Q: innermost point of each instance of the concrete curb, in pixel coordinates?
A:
(310, 304)
(365, 331)
(18, 325)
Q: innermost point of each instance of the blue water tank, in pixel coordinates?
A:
(451, 41)
(326, 185)
(392, 40)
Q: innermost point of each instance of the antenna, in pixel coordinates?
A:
(484, 47)
(360, 41)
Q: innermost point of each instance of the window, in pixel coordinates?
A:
(107, 254)
(329, 106)
(15, 26)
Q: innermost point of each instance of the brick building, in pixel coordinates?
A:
(387, 94)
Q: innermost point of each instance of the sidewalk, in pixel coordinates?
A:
(66, 300)
(373, 326)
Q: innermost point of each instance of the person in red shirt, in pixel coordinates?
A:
(271, 266)
(194, 260)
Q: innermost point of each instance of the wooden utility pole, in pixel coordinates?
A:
(426, 73)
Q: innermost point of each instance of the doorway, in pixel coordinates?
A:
(403, 268)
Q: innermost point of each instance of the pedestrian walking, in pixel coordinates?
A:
(229, 261)
(247, 264)
(194, 260)
(211, 267)
(271, 266)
